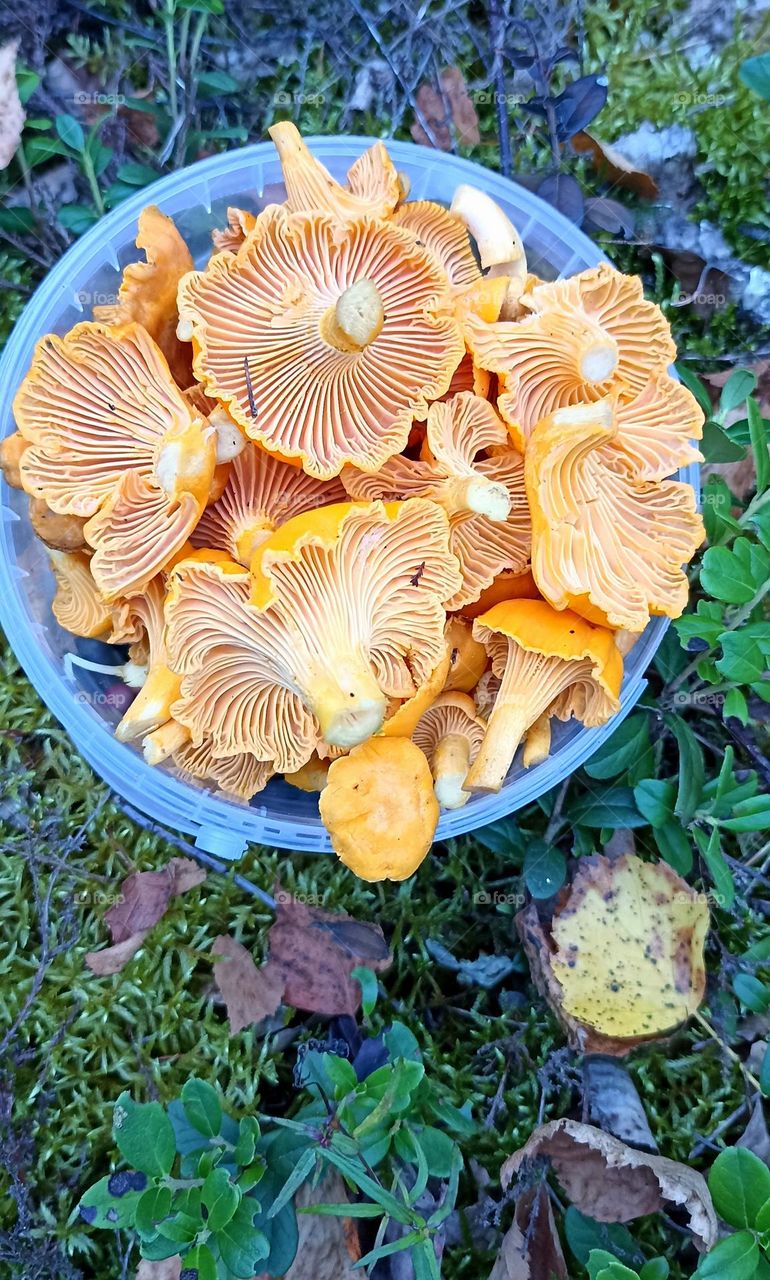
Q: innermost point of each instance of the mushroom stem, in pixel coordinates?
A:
(506, 727)
(164, 742)
(250, 539)
(449, 766)
(537, 747)
(348, 703)
(152, 706)
(131, 673)
(356, 318)
(476, 493)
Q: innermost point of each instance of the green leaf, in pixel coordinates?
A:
(695, 387)
(159, 1248)
(20, 222)
(136, 175)
(400, 1042)
(750, 815)
(745, 653)
(716, 445)
(241, 1244)
(439, 1150)
(692, 770)
(180, 1228)
(739, 1183)
(735, 1258)
(112, 1202)
(220, 1197)
(737, 389)
(755, 73)
(38, 150)
(545, 869)
(77, 218)
(248, 1137)
(367, 981)
(499, 837)
(216, 82)
(629, 743)
(584, 1234)
(616, 1271)
(27, 82)
(754, 995)
(735, 574)
(674, 846)
(655, 1269)
(279, 1148)
(153, 1206)
(735, 706)
(711, 851)
(655, 799)
(199, 1262)
(299, 1174)
(614, 807)
(764, 1077)
(707, 624)
(201, 1105)
(387, 1250)
(71, 132)
(144, 1135)
(717, 502)
(598, 1259)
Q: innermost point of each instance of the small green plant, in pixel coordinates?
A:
(219, 1191)
(739, 1183)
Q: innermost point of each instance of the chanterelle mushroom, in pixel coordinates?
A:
(261, 493)
(585, 336)
(546, 662)
(323, 341)
(77, 605)
(482, 495)
(343, 610)
(445, 236)
(147, 292)
(467, 657)
(240, 775)
(605, 544)
(239, 223)
(379, 808)
(374, 187)
(140, 621)
(450, 734)
(111, 438)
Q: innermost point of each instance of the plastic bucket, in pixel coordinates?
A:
(87, 703)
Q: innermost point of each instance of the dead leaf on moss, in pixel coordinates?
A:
(611, 1182)
(168, 1269)
(144, 897)
(444, 106)
(315, 951)
(251, 994)
(622, 961)
(328, 1247)
(755, 1137)
(613, 166)
(613, 1103)
(12, 115)
(531, 1249)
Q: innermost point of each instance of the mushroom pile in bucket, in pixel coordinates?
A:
(369, 503)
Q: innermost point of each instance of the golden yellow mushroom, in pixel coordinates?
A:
(373, 189)
(450, 734)
(467, 657)
(77, 605)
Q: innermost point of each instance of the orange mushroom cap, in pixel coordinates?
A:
(11, 450)
(445, 236)
(147, 292)
(112, 438)
(311, 777)
(450, 734)
(374, 191)
(261, 493)
(403, 715)
(605, 544)
(140, 622)
(483, 496)
(333, 621)
(240, 223)
(271, 330)
(467, 657)
(508, 585)
(585, 336)
(546, 662)
(379, 808)
(59, 532)
(77, 605)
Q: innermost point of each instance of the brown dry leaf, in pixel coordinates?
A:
(250, 993)
(315, 951)
(327, 1247)
(612, 1182)
(531, 1249)
(613, 166)
(622, 962)
(755, 1137)
(168, 1269)
(144, 898)
(12, 114)
(443, 106)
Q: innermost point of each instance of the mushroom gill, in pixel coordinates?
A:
(230, 238)
(605, 544)
(323, 341)
(445, 236)
(140, 622)
(450, 734)
(77, 605)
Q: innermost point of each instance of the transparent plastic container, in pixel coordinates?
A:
(83, 701)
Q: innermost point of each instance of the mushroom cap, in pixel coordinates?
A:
(139, 621)
(374, 191)
(451, 713)
(311, 777)
(655, 429)
(467, 657)
(266, 309)
(538, 628)
(77, 605)
(585, 336)
(605, 544)
(112, 438)
(342, 611)
(261, 493)
(508, 585)
(400, 722)
(484, 496)
(60, 533)
(11, 449)
(379, 808)
(240, 223)
(445, 236)
(239, 775)
(148, 289)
